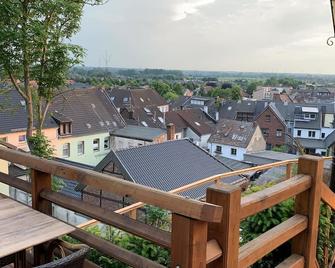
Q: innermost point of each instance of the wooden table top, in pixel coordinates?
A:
(21, 227)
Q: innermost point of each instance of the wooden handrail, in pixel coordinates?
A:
(178, 204)
(106, 216)
(270, 240)
(328, 196)
(15, 182)
(256, 202)
(294, 261)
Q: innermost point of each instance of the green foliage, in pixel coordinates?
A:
(41, 147)
(281, 149)
(255, 225)
(326, 239)
(233, 93)
(157, 217)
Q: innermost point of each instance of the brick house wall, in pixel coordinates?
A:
(272, 127)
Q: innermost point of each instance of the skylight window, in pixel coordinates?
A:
(147, 110)
(197, 123)
(107, 123)
(229, 108)
(144, 123)
(125, 99)
(101, 123)
(142, 100)
(88, 125)
(23, 103)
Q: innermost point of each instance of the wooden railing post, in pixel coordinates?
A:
(227, 232)
(289, 171)
(308, 204)
(188, 242)
(39, 182)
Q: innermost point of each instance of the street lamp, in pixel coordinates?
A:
(330, 40)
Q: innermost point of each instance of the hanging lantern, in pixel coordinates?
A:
(330, 40)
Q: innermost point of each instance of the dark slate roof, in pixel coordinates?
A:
(233, 133)
(195, 119)
(89, 109)
(167, 166)
(13, 115)
(229, 109)
(269, 155)
(234, 164)
(143, 103)
(138, 133)
(312, 143)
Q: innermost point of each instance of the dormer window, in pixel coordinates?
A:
(65, 129)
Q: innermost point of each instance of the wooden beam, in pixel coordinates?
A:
(15, 182)
(178, 204)
(294, 261)
(124, 223)
(227, 232)
(114, 251)
(256, 202)
(328, 196)
(189, 242)
(213, 251)
(308, 204)
(270, 240)
(40, 181)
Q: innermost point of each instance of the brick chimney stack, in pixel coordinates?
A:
(171, 131)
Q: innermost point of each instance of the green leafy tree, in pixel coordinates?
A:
(35, 52)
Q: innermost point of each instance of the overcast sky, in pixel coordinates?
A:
(217, 35)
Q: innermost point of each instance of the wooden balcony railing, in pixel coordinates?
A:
(203, 234)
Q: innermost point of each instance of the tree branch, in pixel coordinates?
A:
(17, 87)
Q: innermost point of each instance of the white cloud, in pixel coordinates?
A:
(182, 10)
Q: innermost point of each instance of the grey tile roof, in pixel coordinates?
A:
(167, 165)
(330, 140)
(312, 143)
(269, 155)
(89, 109)
(233, 133)
(138, 133)
(13, 115)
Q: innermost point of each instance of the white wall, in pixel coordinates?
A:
(226, 151)
(304, 133)
(120, 143)
(199, 140)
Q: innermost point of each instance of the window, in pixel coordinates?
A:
(323, 153)
(265, 132)
(65, 129)
(279, 132)
(177, 137)
(267, 118)
(233, 151)
(66, 150)
(106, 143)
(218, 149)
(311, 134)
(22, 138)
(4, 139)
(81, 148)
(299, 133)
(312, 116)
(96, 145)
(125, 99)
(268, 146)
(323, 135)
(144, 123)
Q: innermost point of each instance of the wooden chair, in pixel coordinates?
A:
(74, 260)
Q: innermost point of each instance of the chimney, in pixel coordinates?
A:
(171, 130)
(217, 116)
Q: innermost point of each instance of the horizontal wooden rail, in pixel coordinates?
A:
(328, 196)
(178, 204)
(270, 240)
(294, 261)
(124, 223)
(213, 251)
(271, 196)
(111, 250)
(15, 182)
